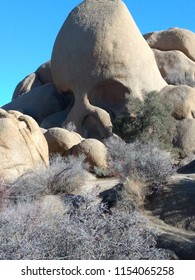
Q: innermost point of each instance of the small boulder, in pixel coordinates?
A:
(61, 140)
(44, 73)
(94, 150)
(27, 84)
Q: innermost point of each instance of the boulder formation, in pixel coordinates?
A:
(185, 137)
(175, 67)
(22, 145)
(61, 140)
(98, 60)
(182, 99)
(88, 85)
(40, 102)
(98, 55)
(173, 39)
(38, 78)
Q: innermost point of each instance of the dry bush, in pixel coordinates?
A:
(139, 161)
(29, 232)
(5, 192)
(64, 175)
(70, 126)
(134, 193)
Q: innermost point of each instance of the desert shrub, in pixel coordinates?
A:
(70, 126)
(64, 175)
(29, 232)
(150, 120)
(102, 172)
(5, 193)
(139, 161)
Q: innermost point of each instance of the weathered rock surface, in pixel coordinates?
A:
(28, 83)
(61, 140)
(99, 54)
(22, 145)
(173, 212)
(173, 39)
(57, 119)
(175, 67)
(40, 102)
(183, 100)
(40, 77)
(95, 152)
(43, 73)
(175, 205)
(185, 137)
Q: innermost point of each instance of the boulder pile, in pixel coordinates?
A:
(100, 62)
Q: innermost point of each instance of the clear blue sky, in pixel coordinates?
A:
(28, 30)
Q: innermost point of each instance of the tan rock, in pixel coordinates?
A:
(28, 83)
(185, 137)
(60, 140)
(44, 73)
(173, 39)
(22, 145)
(175, 67)
(183, 100)
(39, 103)
(95, 152)
(99, 54)
(57, 119)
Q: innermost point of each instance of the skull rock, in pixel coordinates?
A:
(100, 55)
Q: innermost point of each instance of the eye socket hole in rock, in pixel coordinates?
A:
(109, 95)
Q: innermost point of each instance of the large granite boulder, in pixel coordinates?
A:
(40, 102)
(182, 99)
(29, 82)
(43, 73)
(173, 39)
(185, 137)
(175, 67)
(22, 145)
(100, 55)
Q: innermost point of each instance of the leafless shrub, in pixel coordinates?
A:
(5, 192)
(134, 193)
(137, 160)
(29, 232)
(102, 172)
(64, 175)
(70, 126)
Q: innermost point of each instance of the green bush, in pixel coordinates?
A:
(150, 120)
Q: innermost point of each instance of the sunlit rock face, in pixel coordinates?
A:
(22, 145)
(100, 55)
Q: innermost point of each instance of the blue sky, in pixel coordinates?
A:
(28, 30)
